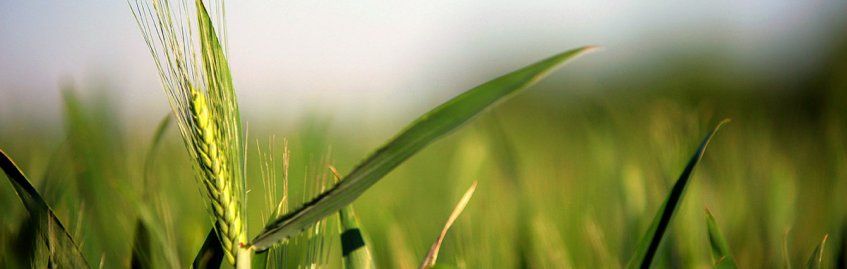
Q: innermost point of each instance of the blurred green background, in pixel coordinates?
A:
(570, 173)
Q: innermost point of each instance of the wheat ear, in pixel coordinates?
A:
(216, 177)
(201, 95)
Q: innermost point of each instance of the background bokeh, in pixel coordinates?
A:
(570, 172)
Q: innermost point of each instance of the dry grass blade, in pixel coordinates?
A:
(816, 258)
(432, 255)
(62, 249)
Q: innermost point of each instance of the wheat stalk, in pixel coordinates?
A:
(202, 97)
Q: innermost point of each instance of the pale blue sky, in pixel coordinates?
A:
(372, 57)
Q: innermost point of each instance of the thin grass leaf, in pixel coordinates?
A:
(816, 258)
(423, 131)
(163, 126)
(354, 247)
(721, 255)
(650, 241)
(62, 248)
(141, 247)
(142, 251)
(26, 240)
(786, 259)
(432, 255)
(211, 254)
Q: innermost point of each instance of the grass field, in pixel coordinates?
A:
(565, 179)
(575, 186)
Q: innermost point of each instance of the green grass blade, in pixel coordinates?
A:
(423, 131)
(211, 254)
(721, 255)
(816, 258)
(154, 146)
(354, 247)
(650, 241)
(62, 248)
(141, 247)
(26, 240)
(432, 255)
(142, 250)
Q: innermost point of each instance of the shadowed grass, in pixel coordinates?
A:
(61, 248)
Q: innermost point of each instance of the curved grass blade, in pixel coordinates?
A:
(721, 255)
(211, 253)
(650, 241)
(61, 246)
(26, 240)
(423, 131)
(142, 251)
(816, 259)
(154, 146)
(354, 247)
(432, 255)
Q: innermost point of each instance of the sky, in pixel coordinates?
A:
(371, 58)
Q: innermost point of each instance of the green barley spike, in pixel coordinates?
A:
(196, 76)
